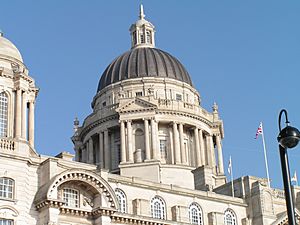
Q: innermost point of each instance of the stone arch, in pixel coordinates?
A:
(90, 178)
(8, 212)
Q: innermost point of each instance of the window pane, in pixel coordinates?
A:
(71, 197)
(6, 188)
(3, 114)
(122, 200)
(6, 222)
(158, 208)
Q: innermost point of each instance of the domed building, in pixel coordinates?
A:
(147, 116)
(149, 153)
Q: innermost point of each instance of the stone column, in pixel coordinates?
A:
(147, 140)
(220, 154)
(31, 124)
(113, 153)
(129, 142)
(171, 150)
(202, 148)
(18, 113)
(101, 150)
(90, 151)
(154, 139)
(182, 148)
(24, 109)
(210, 150)
(84, 155)
(123, 142)
(106, 150)
(197, 147)
(176, 144)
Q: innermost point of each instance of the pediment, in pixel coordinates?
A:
(136, 105)
(282, 218)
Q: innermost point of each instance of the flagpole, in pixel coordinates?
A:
(231, 176)
(265, 153)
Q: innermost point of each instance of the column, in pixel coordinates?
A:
(147, 140)
(101, 150)
(90, 151)
(129, 142)
(197, 147)
(84, 155)
(210, 150)
(182, 148)
(106, 150)
(24, 109)
(18, 113)
(123, 142)
(31, 124)
(202, 148)
(171, 150)
(176, 144)
(113, 153)
(154, 139)
(220, 154)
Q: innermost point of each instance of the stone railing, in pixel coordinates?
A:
(7, 144)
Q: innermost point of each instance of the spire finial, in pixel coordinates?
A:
(142, 15)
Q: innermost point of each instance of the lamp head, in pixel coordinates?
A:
(289, 137)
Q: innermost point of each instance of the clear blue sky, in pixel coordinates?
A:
(245, 55)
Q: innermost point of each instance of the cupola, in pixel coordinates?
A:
(142, 32)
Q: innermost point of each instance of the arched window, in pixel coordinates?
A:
(3, 114)
(122, 200)
(6, 222)
(229, 217)
(71, 197)
(195, 214)
(158, 208)
(148, 37)
(6, 188)
(142, 37)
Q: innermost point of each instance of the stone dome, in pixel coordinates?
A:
(7, 48)
(144, 62)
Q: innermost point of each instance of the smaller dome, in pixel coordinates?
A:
(7, 48)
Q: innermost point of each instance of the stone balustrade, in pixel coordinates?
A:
(7, 144)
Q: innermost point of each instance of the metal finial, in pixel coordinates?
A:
(142, 15)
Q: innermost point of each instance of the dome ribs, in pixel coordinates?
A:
(154, 65)
(144, 62)
(127, 72)
(161, 68)
(174, 67)
(123, 68)
(116, 69)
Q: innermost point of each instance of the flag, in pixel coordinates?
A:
(229, 165)
(259, 130)
(294, 178)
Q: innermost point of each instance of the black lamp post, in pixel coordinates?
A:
(288, 138)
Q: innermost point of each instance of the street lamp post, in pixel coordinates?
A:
(288, 138)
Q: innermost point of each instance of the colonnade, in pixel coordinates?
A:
(21, 127)
(97, 153)
(200, 151)
(204, 149)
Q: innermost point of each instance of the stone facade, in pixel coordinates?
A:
(148, 154)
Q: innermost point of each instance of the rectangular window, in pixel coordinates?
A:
(138, 94)
(6, 222)
(178, 97)
(163, 149)
(6, 187)
(103, 104)
(71, 197)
